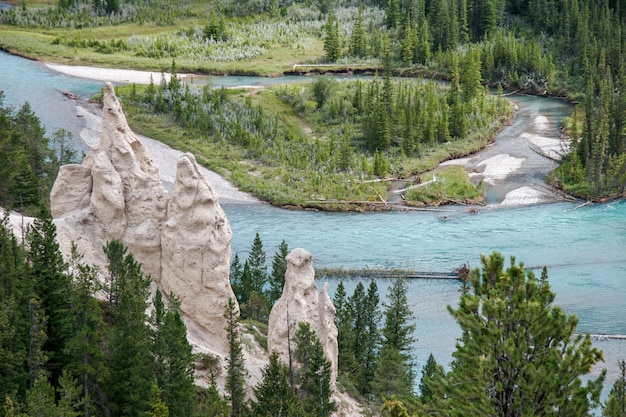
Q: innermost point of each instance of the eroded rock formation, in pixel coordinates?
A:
(300, 302)
(183, 242)
(195, 258)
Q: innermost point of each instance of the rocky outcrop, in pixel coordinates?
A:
(196, 251)
(182, 242)
(300, 302)
(116, 191)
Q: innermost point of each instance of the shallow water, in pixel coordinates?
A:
(584, 248)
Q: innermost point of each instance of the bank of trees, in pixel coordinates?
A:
(29, 159)
(64, 353)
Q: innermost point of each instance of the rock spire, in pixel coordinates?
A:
(301, 302)
(182, 242)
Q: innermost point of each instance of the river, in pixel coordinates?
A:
(584, 248)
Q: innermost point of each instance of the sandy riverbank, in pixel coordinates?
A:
(115, 75)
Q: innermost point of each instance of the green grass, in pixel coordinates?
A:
(452, 186)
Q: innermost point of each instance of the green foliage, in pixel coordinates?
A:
(332, 39)
(432, 374)
(616, 404)
(174, 361)
(52, 293)
(85, 346)
(275, 397)
(210, 403)
(276, 279)
(358, 39)
(449, 184)
(236, 372)
(505, 314)
(314, 373)
(129, 360)
(321, 89)
(28, 165)
(158, 407)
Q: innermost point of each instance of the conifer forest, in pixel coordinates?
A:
(392, 89)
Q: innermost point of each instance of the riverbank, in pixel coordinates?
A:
(493, 170)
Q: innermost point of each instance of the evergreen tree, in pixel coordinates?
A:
(157, 405)
(258, 268)
(15, 293)
(616, 404)
(458, 117)
(236, 279)
(372, 339)
(362, 339)
(210, 402)
(432, 373)
(254, 278)
(358, 39)
(236, 371)
(332, 39)
(85, 347)
(398, 330)
(392, 14)
(129, 358)
(277, 277)
(275, 397)
(345, 330)
(394, 371)
(518, 354)
(174, 361)
(314, 373)
(53, 288)
(40, 398)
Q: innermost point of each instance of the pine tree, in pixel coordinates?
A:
(332, 39)
(236, 279)
(371, 335)
(253, 280)
(275, 397)
(258, 269)
(458, 117)
(157, 405)
(394, 371)
(174, 361)
(432, 373)
(15, 292)
(130, 360)
(40, 399)
(344, 320)
(358, 39)
(85, 348)
(616, 403)
(210, 402)
(51, 294)
(277, 277)
(517, 350)
(314, 373)
(236, 371)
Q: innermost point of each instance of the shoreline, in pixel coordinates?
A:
(493, 170)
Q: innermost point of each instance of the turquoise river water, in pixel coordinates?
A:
(584, 248)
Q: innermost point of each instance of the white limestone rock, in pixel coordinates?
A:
(71, 190)
(196, 251)
(116, 193)
(300, 302)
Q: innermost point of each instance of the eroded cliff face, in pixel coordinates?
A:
(182, 242)
(195, 257)
(116, 193)
(301, 302)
